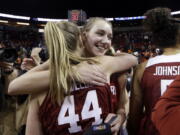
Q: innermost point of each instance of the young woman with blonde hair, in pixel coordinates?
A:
(63, 56)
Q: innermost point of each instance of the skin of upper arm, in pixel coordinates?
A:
(42, 67)
(29, 83)
(123, 104)
(112, 64)
(33, 125)
(124, 99)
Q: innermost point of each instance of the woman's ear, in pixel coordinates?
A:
(84, 36)
(81, 44)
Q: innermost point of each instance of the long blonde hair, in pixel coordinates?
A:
(62, 40)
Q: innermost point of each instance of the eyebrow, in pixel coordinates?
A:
(102, 30)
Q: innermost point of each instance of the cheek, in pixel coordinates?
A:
(110, 44)
(89, 45)
(91, 42)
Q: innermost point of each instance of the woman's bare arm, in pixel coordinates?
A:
(124, 98)
(37, 79)
(30, 83)
(136, 101)
(122, 106)
(42, 67)
(33, 125)
(120, 63)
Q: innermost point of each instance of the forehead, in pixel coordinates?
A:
(101, 25)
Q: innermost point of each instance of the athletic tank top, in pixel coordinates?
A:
(159, 72)
(85, 106)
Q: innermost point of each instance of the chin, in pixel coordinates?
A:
(100, 54)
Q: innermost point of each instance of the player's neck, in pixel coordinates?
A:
(171, 51)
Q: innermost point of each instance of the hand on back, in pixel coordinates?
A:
(91, 74)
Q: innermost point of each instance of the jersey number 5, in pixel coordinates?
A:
(68, 107)
(164, 84)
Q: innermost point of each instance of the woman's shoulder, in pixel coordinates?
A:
(142, 65)
(139, 69)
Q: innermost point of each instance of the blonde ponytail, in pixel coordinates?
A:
(61, 60)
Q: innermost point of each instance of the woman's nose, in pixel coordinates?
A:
(106, 41)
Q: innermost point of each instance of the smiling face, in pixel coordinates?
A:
(98, 38)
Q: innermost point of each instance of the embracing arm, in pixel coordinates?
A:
(109, 65)
(113, 64)
(124, 98)
(29, 83)
(33, 81)
(90, 74)
(37, 79)
(42, 67)
(123, 105)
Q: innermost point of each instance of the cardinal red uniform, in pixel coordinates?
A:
(115, 91)
(85, 106)
(166, 113)
(160, 71)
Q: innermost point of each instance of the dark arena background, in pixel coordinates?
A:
(25, 16)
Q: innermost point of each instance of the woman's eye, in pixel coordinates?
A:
(100, 33)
